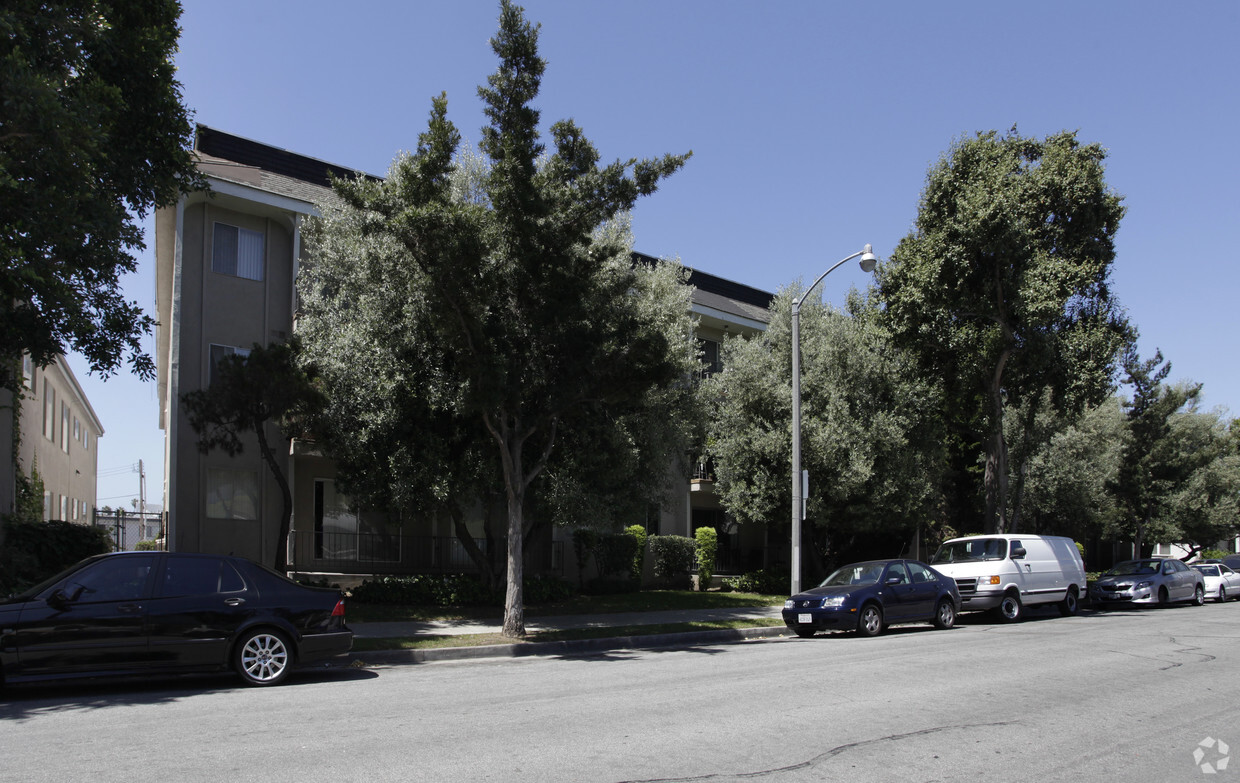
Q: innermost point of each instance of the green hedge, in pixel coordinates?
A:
(764, 582)
(673, 555)
(707, 539)
(34, 551)
(453, 590)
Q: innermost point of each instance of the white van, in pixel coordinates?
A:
(1009, 571)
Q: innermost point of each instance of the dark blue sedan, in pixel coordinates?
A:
(867, 597)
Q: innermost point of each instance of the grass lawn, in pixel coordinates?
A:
(644, 601)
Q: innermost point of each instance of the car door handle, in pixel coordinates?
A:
(234, 601)
(129, 608)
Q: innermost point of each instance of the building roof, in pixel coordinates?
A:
(254, 164)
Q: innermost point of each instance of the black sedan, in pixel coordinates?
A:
(132, 613)
(867, 597)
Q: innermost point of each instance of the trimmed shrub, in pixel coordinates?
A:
(547, 589)
(147, 546)
(424, 590)
(673, 556)
(764, 582)
(614, 554)
(639, 557)
(34, 551)
(707, 539)
(584, 542)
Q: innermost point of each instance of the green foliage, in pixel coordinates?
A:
(614, 554)
(640, 535)
(29, 502)
(763, 582)
(93, 134)
(449, 590)
(1213, 554)
(424, 590)
(497, 316)
(673, 555)
(584, 542)
(247, 393)
(1002, 291)
(147, 546)
(707, 546)
(873, 455)
(34, 551)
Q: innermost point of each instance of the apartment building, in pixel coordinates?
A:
(226, 265)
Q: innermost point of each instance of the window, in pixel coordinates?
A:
(237, 252)
(47, 505)
(77, 429)
(335, 523)
(86, 439)
(219, 353)
(709, 350)
(49, 411)
(64, 509)
(27, 371)
(199, 576)
(111, 579)
(64, 427)
(232, 494)
(1163, 550)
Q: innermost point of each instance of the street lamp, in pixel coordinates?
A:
(868, 260)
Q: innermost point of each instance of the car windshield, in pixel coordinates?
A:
(855, 574)
(1135, 568)
(973, 549)
(1208, 570)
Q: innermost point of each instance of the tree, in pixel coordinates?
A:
(92, 134)
(1003, 289)
(866, 441)
(536, 323)
(247, 393)
(1179, 478)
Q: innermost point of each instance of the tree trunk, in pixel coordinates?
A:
(286, 495)
(996, 477)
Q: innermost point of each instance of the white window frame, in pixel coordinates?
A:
(49, 410)
(238, 252)
(64, 427)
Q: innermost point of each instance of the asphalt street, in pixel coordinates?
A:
(1148, 695)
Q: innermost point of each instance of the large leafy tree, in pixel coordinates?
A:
(866, 441)
(93, 135)
(1003, 289)
(537, 324)
(1179, 478)
(247, 395)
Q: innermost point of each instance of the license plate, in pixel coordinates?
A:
(805, 618)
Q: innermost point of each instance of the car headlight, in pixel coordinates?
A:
(1145, 584)
(988, 580)
(833, 601)
(789, 604)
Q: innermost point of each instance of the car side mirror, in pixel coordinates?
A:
(65, 596)
(1018, 553)
(894, 580)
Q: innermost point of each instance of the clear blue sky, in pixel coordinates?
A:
(812, 124)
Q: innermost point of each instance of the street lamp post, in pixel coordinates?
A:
(868, 261)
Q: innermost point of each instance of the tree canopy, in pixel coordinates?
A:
(92, 133)
(534, 325)
(866, 443)
(1003, 289)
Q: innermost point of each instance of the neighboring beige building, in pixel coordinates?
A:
(226, 262)
(59, 437)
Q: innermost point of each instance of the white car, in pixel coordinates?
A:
(1221, 582)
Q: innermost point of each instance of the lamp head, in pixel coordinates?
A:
(868, 259)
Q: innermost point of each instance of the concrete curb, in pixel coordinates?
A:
(565, 648)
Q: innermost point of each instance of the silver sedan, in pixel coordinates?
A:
(1152, 580)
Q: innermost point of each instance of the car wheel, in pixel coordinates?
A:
(945, 615)
(1069, 605)
(263, 658)
(870, 623)
(1163, 598)
(1010, 608)
(1222, 594)
(804, 633)
(1199, 596)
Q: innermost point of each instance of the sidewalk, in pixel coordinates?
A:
(385, 630)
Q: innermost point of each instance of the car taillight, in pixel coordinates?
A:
(339, 610)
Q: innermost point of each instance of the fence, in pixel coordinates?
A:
(127, 528)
